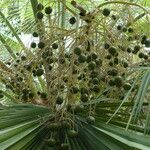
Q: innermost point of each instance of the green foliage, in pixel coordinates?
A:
(83, 84)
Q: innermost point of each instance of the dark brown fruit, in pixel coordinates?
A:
(33, 45)
(35, 34)
(129, 50)
(130, 30)
(118, 81)
(91, 65)
(43, 95)
(112, 50)
(74, 89)
(145, 57)
(1, 95)
(39, 6)
(119, 27)
(106, 45)
(94, 55)
(48, 10)
(106, 12)
(127, 86)
(84, 97)
(23, 58)
(96, 88)
(112, 72)
(141, 55)
(59, 100)
(77, 51)
(108, 57)
(114, 17)
(111, 82)
(72, 20)
(54, 45)
(41, 45)
(81, 58)
(95, 81)
(39, 72)
(39, 15)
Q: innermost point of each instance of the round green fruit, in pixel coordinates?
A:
(54, 126)
(64, 146)
(90, 120)
(48, 10)
(51, 142)
(65, 124)
(72, 133)
(106, 12)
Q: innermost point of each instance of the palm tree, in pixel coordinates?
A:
(83, 84)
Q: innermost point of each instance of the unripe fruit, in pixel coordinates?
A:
(90, 120)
